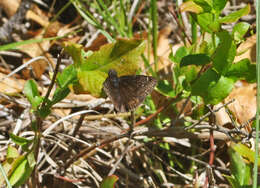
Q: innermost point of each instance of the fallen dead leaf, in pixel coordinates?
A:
(247, 49)
(10, 6)
(11, 86)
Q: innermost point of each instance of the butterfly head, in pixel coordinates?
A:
(112, 75)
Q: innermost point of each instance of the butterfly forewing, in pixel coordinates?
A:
(130, 91)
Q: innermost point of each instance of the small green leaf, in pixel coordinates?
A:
(12, 152)
(109, 182)
(219, 5)
(31, 160)
(195, 59)
(208, 22)
(165, 88)
(239, 30)
(32, 94)
(204, 4)
(19, 140)
(234, 16)
(180, 53)
(67, 76)
(242, 70)
(225, 52)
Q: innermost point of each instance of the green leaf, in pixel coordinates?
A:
(180, 53)
(212, 87)
(225, 52)
(242, 70)
(232, 181)
(12, 152)
(195, 59)
(204, 4)
(190, 72)
(208, 22)
(239, 30)
(200, 87)
(239, 168)
(123, 56)
(32, 94)
(19, 140)
(21, 173)
(67, 76)
(234, 16)
(165, 88)
(245, 152)
(219, 91)
(109, 182)
(219, 5)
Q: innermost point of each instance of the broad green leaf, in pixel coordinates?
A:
(92, 81)
(238, 167)
(208, 22)
(109, 182)
(195, 59)
(212, 87)
(21, 173)
(234, 16)
(165, 88)
(242, 70)
(225, 52)
(180, 53)
(239, 30)
(32, 94)
(219, 91)
(123, 56)
(201, 86)
(219, 5)
(76, 52)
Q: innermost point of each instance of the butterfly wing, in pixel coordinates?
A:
(113, 93)
(134, 89)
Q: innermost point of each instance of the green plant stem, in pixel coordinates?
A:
(154, 17)
(258, 93)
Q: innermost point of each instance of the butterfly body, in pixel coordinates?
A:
(128, 92)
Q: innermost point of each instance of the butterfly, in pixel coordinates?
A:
(128, 92)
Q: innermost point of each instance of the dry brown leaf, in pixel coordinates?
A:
(244, 106)
(10, 6)
(11, 86)
(247, 49)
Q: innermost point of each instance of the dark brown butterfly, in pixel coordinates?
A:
(128, 92)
